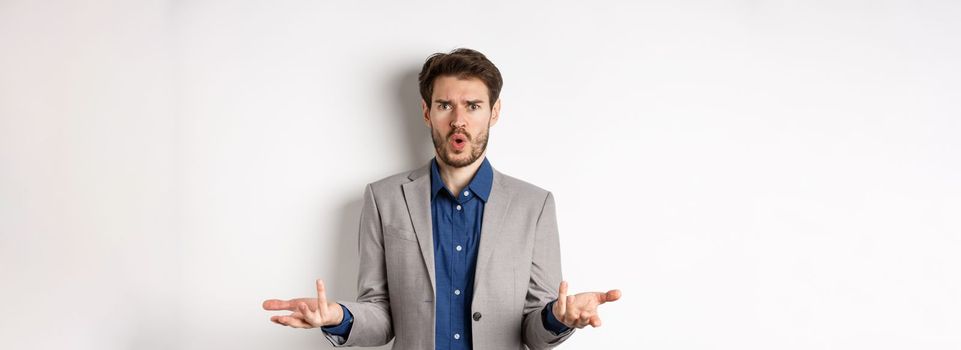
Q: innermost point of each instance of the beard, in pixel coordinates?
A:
(447, 154)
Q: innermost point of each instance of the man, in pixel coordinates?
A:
(455, 254)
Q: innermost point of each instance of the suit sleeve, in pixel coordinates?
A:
(371, 312)
(545, 279)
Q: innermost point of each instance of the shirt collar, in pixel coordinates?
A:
(480, 184)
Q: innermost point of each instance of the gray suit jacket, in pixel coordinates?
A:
(518, 266)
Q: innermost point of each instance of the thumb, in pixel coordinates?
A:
(611, 295)
(562, 299)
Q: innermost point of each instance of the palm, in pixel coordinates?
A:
(305, 311)
(580, 310)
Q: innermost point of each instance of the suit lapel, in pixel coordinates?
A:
(417, 195)
(495, 210)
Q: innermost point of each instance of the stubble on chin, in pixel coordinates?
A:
(444, 152)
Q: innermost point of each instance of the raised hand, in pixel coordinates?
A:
(580, 310)
(307, 312)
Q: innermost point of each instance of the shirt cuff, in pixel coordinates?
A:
(342, 329)
(551, 322)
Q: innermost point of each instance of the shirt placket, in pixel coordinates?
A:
(458, 267)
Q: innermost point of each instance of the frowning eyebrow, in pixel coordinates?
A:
(473, 102)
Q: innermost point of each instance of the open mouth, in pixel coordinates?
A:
(458, 141)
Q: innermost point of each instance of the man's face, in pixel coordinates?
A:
(460, 118)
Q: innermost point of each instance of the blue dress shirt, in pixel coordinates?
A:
(456, 230)
(457, 227)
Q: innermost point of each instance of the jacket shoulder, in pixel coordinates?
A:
(522, 188)
(394, 182)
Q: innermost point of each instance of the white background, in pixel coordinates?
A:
(751, 174)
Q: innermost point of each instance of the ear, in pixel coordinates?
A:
(426, 110)
(495, 112)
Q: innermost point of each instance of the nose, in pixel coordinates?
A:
(460, 119)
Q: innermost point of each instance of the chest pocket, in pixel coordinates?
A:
(394, 232)
(407, 276)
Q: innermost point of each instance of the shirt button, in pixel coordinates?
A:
(458, 248)
(456, 291)
(467, 193)
(477, 316)
(456, 335)
(458, 207)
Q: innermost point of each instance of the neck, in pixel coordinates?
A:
(457, 178)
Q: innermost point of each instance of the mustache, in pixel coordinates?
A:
(461, 131)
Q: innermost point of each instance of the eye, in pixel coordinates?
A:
(444, 106)
(474, 107)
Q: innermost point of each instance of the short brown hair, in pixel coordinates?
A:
(462, 63)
